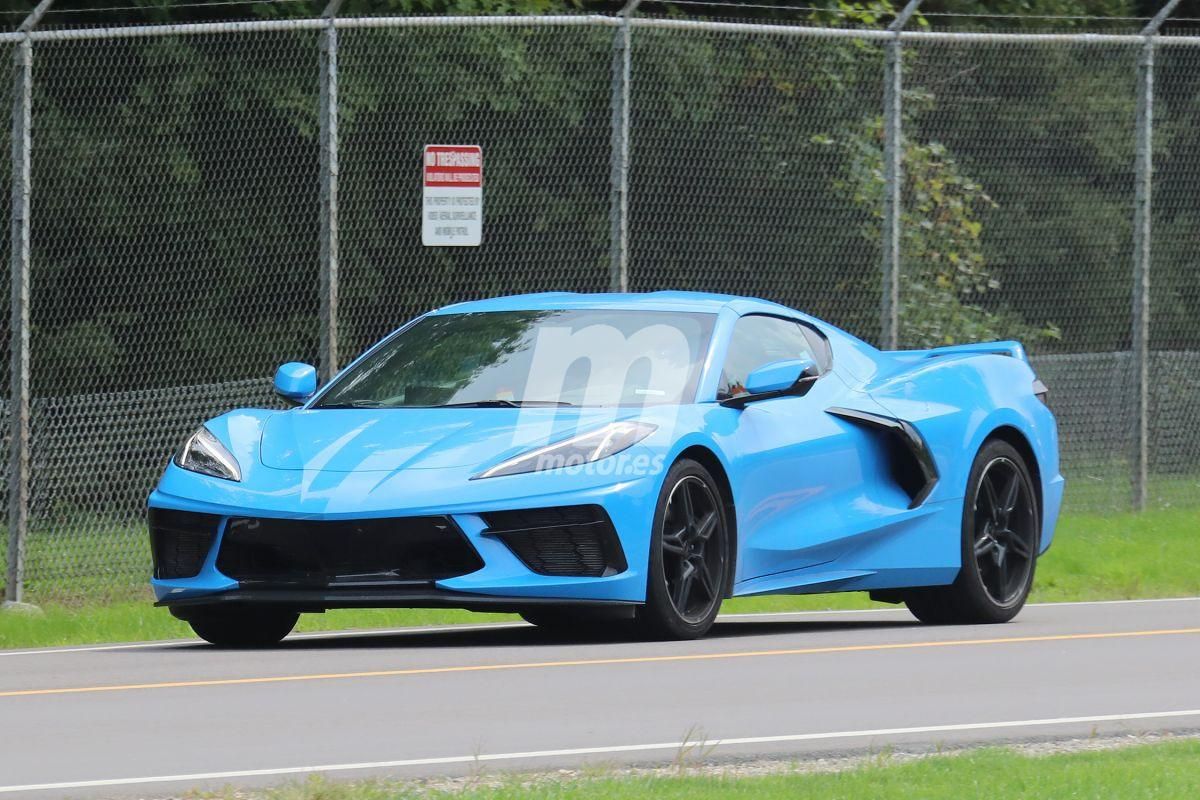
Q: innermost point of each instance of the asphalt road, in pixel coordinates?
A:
(155, 719)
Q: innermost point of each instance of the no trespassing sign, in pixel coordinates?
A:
(452, 200)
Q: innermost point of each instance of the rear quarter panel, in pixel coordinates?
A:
(957, 402)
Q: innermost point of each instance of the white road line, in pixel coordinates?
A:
(1134, 602)
(587, 751)
(48, 651)
(504, 625)
(903, 610)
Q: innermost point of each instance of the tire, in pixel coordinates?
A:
(242, 626)
(689, 556)
(1001, 528)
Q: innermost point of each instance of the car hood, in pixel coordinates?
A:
(385, 440)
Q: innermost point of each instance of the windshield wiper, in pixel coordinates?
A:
(355, 404)
(507, 404)
(472, 404)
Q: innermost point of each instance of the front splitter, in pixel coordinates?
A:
(316, 600)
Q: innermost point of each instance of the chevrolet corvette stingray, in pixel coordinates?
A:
(585, 459)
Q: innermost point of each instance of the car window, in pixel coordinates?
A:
(759, 340)
(581, 357)
(820, 346)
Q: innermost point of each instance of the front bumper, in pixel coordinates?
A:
(317, 600)
(503, 582)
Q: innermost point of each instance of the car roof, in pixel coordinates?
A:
(697, 302)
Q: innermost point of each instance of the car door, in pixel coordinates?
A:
(807, 480)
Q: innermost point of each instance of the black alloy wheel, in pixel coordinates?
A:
(1001, 537)
(689, 557)
(693, 570)
(1005, 531)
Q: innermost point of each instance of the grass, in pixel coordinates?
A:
(1104, 486)
(1163, 771)
(1094, 557)
(139, 620)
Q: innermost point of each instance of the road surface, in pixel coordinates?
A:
(159, 718)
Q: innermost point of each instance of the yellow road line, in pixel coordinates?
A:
(803, 651)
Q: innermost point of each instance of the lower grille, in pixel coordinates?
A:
(180, 541)
(359, 552)
(574, 541)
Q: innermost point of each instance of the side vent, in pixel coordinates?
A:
(910, 462)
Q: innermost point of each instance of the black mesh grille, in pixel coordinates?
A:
(566, 541)
(344, 552)
(180, 541)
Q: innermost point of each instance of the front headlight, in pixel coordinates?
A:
(204, 453)
(582, 449)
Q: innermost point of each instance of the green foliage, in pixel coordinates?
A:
(944, 274)
(1047, 129)
(865, 13)
(177, 183)
(729, 191)
(1032, 14)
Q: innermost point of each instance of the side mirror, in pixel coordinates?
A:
(296, 382)
(791, 377)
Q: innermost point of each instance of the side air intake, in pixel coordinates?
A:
(909, 460)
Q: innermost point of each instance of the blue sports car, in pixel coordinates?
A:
(615, 459)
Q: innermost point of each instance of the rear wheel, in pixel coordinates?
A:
(242, 626)
(689, 556)
(1000, 537)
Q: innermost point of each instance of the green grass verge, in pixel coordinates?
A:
(1163, 771)
(1094, 557)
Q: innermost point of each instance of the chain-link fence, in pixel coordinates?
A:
(196, 218)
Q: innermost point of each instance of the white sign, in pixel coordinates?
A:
(452, 205)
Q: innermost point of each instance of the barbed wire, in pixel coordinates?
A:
(976, 15)
(787, 7)
(170, 7)
(841, 12)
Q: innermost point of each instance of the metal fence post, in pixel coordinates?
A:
(889, 332)
(18, 465)
(622, 64)
(328, 356)
(18, 469)
(1144, 173)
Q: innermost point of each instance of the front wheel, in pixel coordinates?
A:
(242, 626)
(689, 556)
(1000, 538)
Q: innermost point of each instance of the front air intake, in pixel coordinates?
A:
(354, 552)
(180, 541)
(568, 541)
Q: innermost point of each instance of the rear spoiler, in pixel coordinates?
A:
(1012, 349)
(1007, 348)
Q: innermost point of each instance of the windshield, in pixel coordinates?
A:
(526, 358)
